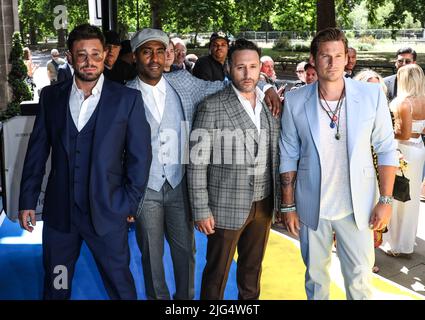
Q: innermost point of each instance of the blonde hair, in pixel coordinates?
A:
(410, 81)
(367, 74)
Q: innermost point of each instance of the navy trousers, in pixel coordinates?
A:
(111, 253)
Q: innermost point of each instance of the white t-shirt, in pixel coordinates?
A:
(335, 196)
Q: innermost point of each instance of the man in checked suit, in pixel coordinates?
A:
(171, 100)
(233, 176)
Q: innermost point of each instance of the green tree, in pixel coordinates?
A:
(294, 15)
(397, 17)
(31, 17)
(16, 79)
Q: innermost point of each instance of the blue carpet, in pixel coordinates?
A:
(21, 269)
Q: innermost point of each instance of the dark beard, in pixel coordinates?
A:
(86, 78)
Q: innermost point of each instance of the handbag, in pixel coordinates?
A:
(401, 190)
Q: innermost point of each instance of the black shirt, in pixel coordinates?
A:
(207, 68)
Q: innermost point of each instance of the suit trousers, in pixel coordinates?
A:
(354, 249)
(167, 213)
(111, 253)
(251, 241)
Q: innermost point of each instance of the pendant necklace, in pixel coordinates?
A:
(332, 114)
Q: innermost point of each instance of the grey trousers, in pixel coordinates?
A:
(166, 213)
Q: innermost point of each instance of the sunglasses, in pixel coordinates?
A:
(83, 56)
(300, 71)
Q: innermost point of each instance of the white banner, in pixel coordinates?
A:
(15, 136)
(95, 12)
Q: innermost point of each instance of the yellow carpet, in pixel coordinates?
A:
(283, 275)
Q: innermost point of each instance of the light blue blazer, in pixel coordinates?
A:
(368, 123)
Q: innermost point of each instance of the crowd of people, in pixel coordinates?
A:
(140, 132)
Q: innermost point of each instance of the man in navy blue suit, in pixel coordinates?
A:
(66, 71)
(100, 146)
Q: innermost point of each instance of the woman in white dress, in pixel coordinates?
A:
(409, 111)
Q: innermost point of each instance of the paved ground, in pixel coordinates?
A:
(405, 271)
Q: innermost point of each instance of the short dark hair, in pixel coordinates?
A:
(242, 44)
(308, 66)
(85, 32)
(406, 50)
(325, 35)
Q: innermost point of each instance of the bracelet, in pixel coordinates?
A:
(290, 209)
(283, 205)
(386, 200)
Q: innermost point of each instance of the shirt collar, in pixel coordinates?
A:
(259, 95)
(160, 86)
(97, 89)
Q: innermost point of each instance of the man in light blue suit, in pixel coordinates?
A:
(328, 179)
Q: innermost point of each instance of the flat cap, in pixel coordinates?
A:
(146, 35)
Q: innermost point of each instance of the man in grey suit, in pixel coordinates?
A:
(403, 57)
(170, 100)
(233, 176)
(327, 173)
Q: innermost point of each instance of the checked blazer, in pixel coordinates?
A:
(220, 189)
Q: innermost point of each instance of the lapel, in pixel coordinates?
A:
(310, 107)
(108, 107)
(238, 116)
(176, 87)
(62, 112)
(354, 108)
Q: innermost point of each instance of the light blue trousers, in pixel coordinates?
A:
(354, 249)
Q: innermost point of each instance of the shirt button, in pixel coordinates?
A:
(163, 176)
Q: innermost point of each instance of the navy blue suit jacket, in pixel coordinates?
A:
(121, 157)
(64, 72)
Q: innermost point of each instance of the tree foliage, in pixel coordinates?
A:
(16, 79)
(397, 16)
(191, 16)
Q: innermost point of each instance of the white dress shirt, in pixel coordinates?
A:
(253, 113)
(154, 97)
(82, 109)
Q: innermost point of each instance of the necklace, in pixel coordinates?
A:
(334, 118)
